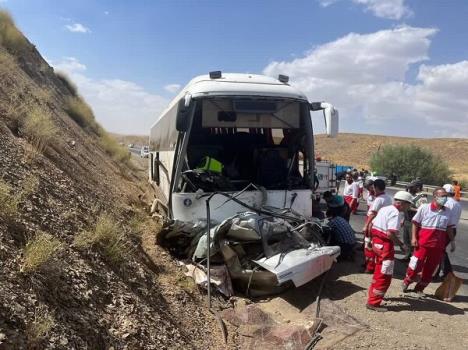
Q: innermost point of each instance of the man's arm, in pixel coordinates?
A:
(451, 236)
(415, 235)
(393, 236)
(368, 224)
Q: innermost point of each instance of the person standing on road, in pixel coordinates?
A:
(381, 200)
(418, 200)
(432, 227)
(351, 193)
(385, 228)
(457, 190)
(455, 210)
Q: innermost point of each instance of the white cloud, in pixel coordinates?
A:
(69, 64)
(120, 106)
(391, 9)
(77, 28)
(365, 76)
(172, 88)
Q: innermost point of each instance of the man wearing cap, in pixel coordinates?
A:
(336, 205)
(418, 200)
(432, 227)
(455, 210)
(351, 193)
(380, 201)
(385, 229)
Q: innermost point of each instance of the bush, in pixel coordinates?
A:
(8, 202)
(39, 128)
(81, 113)
(107, 237)
(409, 162)
(10, 37)
(41, 326)
(40, 251)
(110, 145)
(67, 82)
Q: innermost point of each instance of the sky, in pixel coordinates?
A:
(391, 67)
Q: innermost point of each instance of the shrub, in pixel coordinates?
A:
(41, 326)
(408, 162)
(39, 252)
(30, 186)
(10, 37)
(107, 237)
(39, 128)
(8, 202)
(110, 145)
(81, 113)
(67, 82)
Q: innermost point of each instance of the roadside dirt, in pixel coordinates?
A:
(410, 323)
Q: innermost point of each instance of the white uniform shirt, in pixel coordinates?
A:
(455, 210)
(369, 200)
(380, 201)
(388, 219)
(351, 190)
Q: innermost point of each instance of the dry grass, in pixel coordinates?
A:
(63, 77)
(8, 202)
(10, 37)
(107, 237)
(29, 186)
(118, 153)
(41, 326)
(39, 252)
(39, 129)
(81, 113)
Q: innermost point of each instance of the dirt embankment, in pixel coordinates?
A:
(60, 177)
(356, 149)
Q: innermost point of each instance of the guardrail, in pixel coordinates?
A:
(427, 188)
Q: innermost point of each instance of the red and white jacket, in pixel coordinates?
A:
(351, 190)
(388, 220)
(433, 223)
(381, 200)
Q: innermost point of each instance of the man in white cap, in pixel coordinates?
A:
(432, 229)
(455, 210)
(385, 227)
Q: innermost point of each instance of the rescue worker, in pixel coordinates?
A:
(385, 227)
(381, 200)
(351, 193)
(457, 190)
(432, 227)
(418, 200)
(455, 210)
(369, 186)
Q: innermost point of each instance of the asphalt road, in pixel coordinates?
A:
(459, 258)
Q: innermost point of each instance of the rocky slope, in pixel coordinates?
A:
(78, 298)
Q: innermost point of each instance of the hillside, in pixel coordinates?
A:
(79, 267)
(356, 149)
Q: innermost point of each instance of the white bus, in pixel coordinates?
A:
(247, 135)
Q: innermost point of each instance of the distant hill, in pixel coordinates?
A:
(356, 149)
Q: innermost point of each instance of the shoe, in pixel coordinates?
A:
(404, 287)
(376, 308)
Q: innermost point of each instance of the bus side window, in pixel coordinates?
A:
(155, 167)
